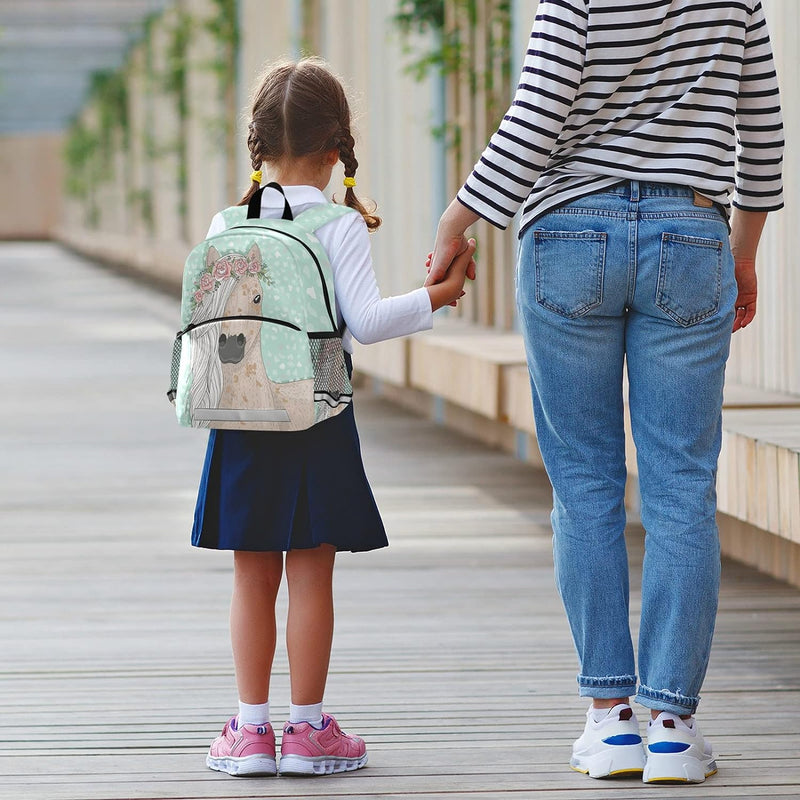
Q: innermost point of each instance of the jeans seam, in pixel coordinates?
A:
(683, 214)
(607, 682)
(633, 260)
(591, 212)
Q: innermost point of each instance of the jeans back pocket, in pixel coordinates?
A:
(689, 277)
(569, 268)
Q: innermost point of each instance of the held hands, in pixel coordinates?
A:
(451, 260)
(450, 242)
(449, 289)
(748, 291)
(445, 251)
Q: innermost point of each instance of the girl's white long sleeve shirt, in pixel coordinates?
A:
(368, 317)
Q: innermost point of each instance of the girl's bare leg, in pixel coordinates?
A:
(309, 628)
(256, 578)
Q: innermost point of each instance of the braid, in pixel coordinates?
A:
(346, 145)
(254, 145)
(347, 156)
(256, 159)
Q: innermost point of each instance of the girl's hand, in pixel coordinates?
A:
(748, 291)
(470, 268)
(450, 289)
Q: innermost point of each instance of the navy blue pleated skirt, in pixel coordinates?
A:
(265, 490)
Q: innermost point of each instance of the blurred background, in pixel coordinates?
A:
(129, 116)
(122, 131)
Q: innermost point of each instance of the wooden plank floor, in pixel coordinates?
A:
(451, 656)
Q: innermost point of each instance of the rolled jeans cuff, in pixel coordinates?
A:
(607, 688)
(663, 700)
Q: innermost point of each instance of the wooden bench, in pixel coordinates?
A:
(759, 486)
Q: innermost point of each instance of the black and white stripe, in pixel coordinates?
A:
(673, 91)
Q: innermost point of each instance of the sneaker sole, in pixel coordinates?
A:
(319, 765)
(676, 768)
(243, 767)
(616, 761)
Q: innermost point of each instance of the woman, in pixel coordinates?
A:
(620, 147)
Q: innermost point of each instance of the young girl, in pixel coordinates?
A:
(263, 494)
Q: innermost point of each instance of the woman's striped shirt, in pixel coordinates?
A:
(680, 91)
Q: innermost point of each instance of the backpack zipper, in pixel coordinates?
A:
(240, 316)
(299, 241)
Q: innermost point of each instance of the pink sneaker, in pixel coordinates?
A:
(249, 750)
(306, 750)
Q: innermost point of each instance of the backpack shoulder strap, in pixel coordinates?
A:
(234, 215)
(316, 217)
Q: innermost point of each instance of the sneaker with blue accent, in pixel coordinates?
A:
(677, 752)
(611, 747)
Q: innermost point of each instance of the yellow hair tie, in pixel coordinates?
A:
(349, 182)
(256, 176)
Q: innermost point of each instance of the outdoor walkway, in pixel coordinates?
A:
(451, 657)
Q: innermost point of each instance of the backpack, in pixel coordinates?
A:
(259, 347)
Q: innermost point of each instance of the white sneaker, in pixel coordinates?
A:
(676, 751)
(609, 747)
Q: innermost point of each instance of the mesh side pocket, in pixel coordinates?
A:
(331, 383)
(175, 369)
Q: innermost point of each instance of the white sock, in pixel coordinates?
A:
(599, 714)
(253, 714)
(311, 714)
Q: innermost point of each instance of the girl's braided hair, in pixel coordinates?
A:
(299, 109)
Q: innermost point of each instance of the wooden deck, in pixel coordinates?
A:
(451, 657)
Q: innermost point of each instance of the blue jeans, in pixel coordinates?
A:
(636, 273)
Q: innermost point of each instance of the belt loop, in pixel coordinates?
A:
(634, 191)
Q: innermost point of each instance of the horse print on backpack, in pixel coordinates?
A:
(254, 352)
(226, 357)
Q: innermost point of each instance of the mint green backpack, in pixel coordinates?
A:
(259, 347)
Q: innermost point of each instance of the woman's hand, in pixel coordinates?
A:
(748, 290)
(746, 227)
(450, 242)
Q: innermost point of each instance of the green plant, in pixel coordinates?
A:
(223, 26)
(428, 16)
(174, 78)
(108, 93)
(174, 81)
(420, 15)
(142, 201)
(449, 50)
(79, 147)
(143, 197)
(84, 168)
(93, 139)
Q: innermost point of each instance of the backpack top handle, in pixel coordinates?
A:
(254, 206)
